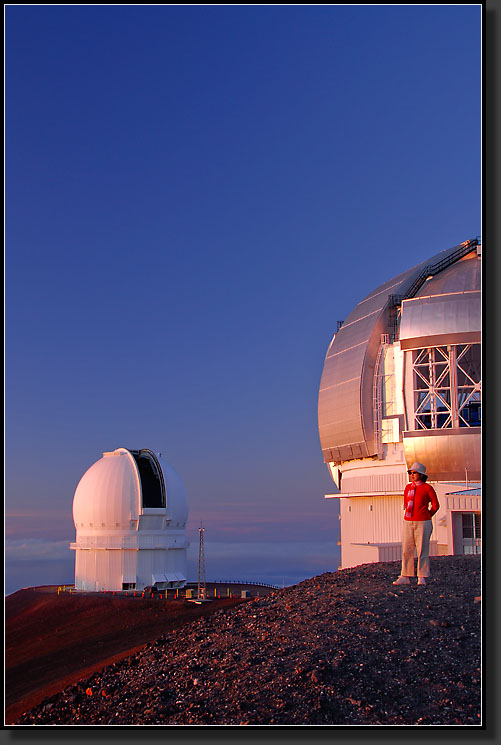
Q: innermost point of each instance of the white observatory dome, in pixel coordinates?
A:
(130, 510)
(117, 489)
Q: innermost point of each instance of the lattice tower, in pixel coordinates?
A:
(201, 565)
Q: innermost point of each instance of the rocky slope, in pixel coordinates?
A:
(343, 648)
(53, 640)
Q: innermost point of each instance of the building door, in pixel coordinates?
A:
(467, 533)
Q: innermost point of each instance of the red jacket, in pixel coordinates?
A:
(425, 494)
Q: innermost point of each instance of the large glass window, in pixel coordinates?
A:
(468, 385)
(471, 529)
(447, 386)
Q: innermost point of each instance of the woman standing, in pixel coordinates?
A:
(420, 504)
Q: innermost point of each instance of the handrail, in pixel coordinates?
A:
(240, 582)
(431, 269)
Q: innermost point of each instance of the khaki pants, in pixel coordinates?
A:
(416, 535)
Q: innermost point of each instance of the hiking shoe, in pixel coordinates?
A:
(402, 581)
(421, 580)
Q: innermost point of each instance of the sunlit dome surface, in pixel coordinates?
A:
(125, 484)
(421, 311)
(463, 276)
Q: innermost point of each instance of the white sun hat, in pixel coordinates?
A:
(418, 467)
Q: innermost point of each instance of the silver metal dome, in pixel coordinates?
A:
(433, 306)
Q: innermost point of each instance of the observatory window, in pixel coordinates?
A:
(447, 387)
(468, 385)
(152, 485)
(471, 530)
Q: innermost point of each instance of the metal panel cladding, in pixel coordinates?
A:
(446, 310)
(345, 402)
(448, 453)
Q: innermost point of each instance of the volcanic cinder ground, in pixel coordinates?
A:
(53, 640)
(343, 648)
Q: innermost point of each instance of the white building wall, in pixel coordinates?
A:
(371, 529)
(387, 515)
(374, 520)
(81, 569)
(107, 569)
(129, 564)
(158, 562)
(85, 572)
(115, 567)
(354, 554)
(145, 565)
(375, 479)
(103, 580)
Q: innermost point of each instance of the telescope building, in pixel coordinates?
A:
(130, 510)
(402, 383)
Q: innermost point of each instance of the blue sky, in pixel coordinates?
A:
(194, 196)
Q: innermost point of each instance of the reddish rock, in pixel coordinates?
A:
(333, 650)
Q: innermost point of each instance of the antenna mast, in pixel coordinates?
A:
(201, 565)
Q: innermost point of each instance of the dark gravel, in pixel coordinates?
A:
(343, 648)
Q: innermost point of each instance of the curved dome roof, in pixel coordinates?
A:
(177, 500)
(124, 484)
(345, 402)
(446, 309)
(463, 276)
